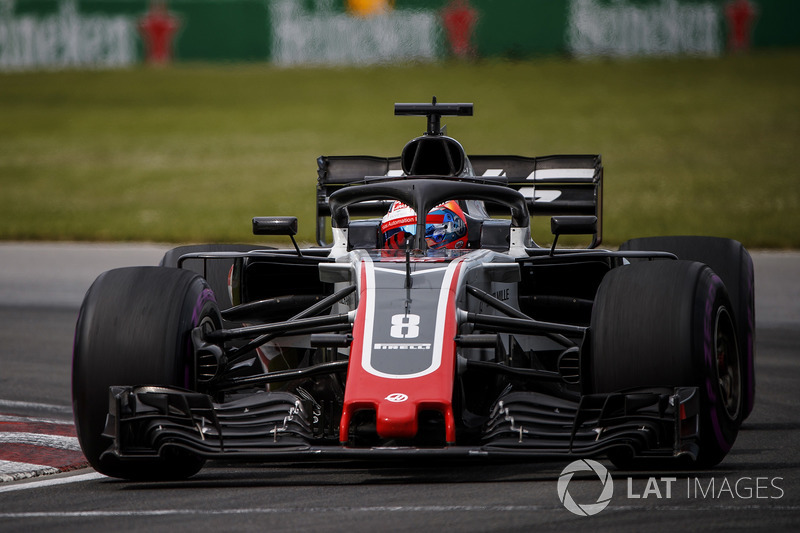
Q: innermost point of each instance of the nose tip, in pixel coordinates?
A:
(397, 420)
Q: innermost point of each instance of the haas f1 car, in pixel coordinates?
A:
(448, 335)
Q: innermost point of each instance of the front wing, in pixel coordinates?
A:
(155, 421)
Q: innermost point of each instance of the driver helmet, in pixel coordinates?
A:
(445, 226)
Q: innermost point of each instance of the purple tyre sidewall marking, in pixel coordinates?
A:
(710, 355)
(205, 296)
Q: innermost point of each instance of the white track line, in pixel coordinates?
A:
(51, 482)
(47, 407)
(9, 468)
(378, 509)
(40, 439)
(16, 418)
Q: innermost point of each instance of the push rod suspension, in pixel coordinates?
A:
(519, 325)
(503, 307)
(284, 375)
(222, 335)
(318, 307)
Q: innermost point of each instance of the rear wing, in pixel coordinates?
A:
(336, 172)
(552, 185)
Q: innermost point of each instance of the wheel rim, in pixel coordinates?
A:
(729, 382)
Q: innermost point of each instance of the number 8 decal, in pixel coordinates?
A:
(405, 326)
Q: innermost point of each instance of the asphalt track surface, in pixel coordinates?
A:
(757, 487)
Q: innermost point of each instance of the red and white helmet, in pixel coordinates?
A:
(445, 226)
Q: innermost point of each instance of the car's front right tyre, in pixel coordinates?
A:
(134, 329)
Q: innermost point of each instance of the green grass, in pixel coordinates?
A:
(191, 153)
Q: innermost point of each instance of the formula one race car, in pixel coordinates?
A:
(448, 335)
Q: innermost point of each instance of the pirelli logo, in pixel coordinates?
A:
(402, 346)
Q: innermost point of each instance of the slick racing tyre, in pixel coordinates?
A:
(670, 324)
(134, 329)
(731, 261)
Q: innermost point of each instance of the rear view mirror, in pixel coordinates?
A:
(275, 226)
(572, 225)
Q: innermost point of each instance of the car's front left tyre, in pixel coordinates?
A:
(134, 329)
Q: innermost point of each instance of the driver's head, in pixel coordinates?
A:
(445, 226)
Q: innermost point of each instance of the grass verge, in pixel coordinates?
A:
(192, 152)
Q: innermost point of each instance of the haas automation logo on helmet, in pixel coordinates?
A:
(445, 226)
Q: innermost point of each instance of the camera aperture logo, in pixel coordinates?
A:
(585, 509)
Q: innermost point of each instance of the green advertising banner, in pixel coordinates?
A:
(51, 34)
(117, 33)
